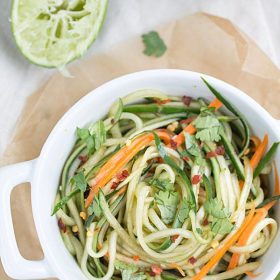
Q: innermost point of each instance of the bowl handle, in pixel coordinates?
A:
(14, 264)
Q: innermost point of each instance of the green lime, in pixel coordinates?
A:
(52, 33)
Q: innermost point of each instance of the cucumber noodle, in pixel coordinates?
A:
(137, 228)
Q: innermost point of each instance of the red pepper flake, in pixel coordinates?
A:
(123, 175)
(187, 100)
(157, 270)
(114, 185)
(136, 258)
(61, 225)
(192, 260)
(220, 150)
(210, 154)
(186, 158)
(196, 179)
(83, 159)
(152, 274)
(174, 237)
(158, 160)
(187, 121)
(162, 101)
(173, 144)
(205, 222)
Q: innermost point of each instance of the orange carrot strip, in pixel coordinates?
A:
(220, 253)
(259, 152)
(241, 184)
(252, 275)
(179, 139)
(119, 160)
(260, 215)
(216, 103)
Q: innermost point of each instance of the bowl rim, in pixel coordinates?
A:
(98, 91)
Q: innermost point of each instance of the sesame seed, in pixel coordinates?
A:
(83, 215)
(75, 228)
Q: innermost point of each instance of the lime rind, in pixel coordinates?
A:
(51, 33)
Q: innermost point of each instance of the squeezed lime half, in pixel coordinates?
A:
(52, 33)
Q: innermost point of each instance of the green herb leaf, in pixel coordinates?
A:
(167, 203)
(128, 271)
(163, 184)
(170, 161)
(208, 128)
(199, 230)
(236, 112)
(200, 161)
(184, 210)
(79, 180)
(220, 223)
(215, 208)
(64, 201)
(83, 133)
(95, 208)
(208, 188)
(192, 145)
(99, 133)
(221, 226)
(154, 45)
(86, 137)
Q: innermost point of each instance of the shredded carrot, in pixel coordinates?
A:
(224, 248)
(178, 267)
(119, 160)
(256, 140)
(259, 152)
(241, 184)
(216, 103)
(179, 139)
(136, 258)
(260, 215)
(252, 275)
(276, 184)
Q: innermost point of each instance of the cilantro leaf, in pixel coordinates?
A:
(191, 145)
(162, 183)
(208, 127)
(154, 45)
(64, 200)
(93, 137)
(128, 271)
(193, 149)
(215, 208)
(95, 208)
(200, 161)
(184, 210)
(83, 133)
(220, 223)
(221, 226)
(167, 203)
(99, 133)
(87, 138)
(79, 180)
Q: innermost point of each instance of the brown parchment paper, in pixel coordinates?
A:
(199, 42)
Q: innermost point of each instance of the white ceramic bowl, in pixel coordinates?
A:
(44, 172)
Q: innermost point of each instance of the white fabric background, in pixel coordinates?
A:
(18, 78)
